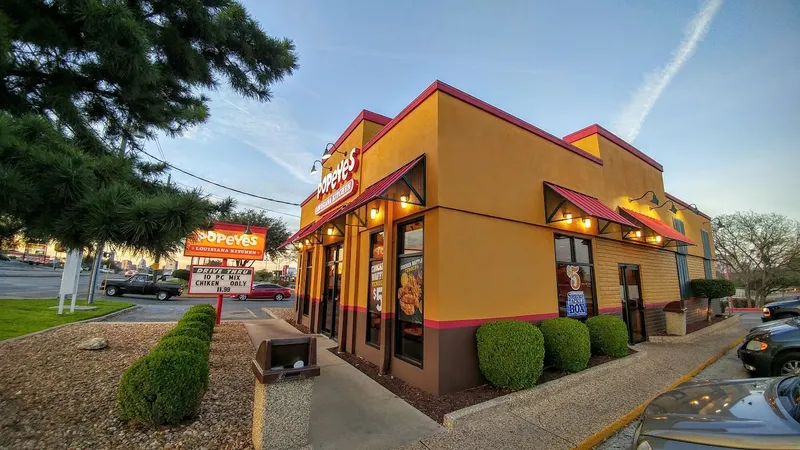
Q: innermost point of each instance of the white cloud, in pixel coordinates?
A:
(633, 115)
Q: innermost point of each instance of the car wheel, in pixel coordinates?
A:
(242, 297)
(162, 295)
(112, 291)
(278, 297)
(788, 364)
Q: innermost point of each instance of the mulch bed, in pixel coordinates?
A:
(436, 407)
(53, 395)
(692, 327)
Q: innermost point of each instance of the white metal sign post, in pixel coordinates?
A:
(69, 280)
(220, 280)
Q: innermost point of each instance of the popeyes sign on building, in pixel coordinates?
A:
(338, 184)
(227, 241)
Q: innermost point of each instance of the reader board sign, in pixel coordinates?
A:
(227, 240)
(220, 280)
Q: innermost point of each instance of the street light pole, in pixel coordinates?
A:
(101, 246)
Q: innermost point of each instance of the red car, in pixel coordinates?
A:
(266, 291)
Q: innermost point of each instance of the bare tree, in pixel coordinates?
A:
(762, 250)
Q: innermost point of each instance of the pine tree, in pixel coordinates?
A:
(80, 77)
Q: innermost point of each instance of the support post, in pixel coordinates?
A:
(219, 297)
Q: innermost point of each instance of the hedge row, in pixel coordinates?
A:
(167, 385)
(511, 353)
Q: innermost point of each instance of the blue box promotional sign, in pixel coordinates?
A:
(576, 304)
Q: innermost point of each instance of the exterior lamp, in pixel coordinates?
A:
(587, 222)
(247, 230)
(638, 234)
(314, 169)
(373, 213)
(331, 146)
(403, 201)
(307, 242)
(692, 207)
(568, 217)
(654, 200)
(658, 239)
(672, 208)
(330, 231)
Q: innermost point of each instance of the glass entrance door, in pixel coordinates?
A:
(632, 305)
(333, 284)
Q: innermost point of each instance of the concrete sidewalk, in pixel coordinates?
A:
(348, 409)
(578, 413)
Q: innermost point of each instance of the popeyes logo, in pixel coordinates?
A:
(214, 237)
(339, 174)
(227, 240)
(574, 274)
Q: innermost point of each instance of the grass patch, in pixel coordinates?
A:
(23, 316)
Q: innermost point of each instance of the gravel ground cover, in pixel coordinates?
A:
(55, 396)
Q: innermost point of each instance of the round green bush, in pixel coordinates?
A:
(186, 344)
(566, 342)
(192, 329)
(207, 320)
(608, 335)
(163, 388)
(510, 353)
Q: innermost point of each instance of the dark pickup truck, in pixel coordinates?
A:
(141, 284)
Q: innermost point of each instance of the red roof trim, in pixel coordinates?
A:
(380, 119)
(590, 205)
(658, 226)
(480, 104)
(685, 205)
(597, 129)
(379, 187)
(295, 237)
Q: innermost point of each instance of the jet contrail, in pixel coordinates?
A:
(632, 116)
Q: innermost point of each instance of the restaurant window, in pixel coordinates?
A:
(706, 254)
(375, 294)
(307, 282)
(680, 260)
(574, 277)
(409, 303)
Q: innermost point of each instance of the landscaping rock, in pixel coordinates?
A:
(95, 343)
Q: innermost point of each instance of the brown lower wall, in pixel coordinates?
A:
(458, 359)
(655, 321)
(696, 310)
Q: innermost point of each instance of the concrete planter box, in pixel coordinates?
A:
(699, 334)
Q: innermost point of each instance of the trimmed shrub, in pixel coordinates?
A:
(185, 344)
(191, 329)
(207, 320)
(566, 342)
(710, 289)
(181, 274)
(608, 336)
(163, 388)
(204, 308)
(510, 353)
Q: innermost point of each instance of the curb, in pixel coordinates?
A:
(92, 319)
(691, 337)
(453, 420)
(632, 415)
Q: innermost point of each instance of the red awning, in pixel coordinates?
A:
(658, 226)
(377, 189)
(296, 236)
(590, 205)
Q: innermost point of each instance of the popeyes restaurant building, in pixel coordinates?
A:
(454, 213)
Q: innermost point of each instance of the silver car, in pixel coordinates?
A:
(758, 413)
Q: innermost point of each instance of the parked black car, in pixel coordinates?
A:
(753, 414)
(781, 310)
(141, 284)
(772, 349)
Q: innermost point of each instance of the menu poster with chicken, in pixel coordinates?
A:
(409, 295)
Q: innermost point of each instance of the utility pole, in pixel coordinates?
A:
(98, 257)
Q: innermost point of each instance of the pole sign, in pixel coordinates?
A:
(227, 241)
(220, 280)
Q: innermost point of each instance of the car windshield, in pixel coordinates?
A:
(789, 393)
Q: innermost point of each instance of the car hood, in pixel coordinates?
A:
(735, 413)
(793, 302)
(778, 326)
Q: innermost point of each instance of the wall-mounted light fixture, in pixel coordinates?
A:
(373, 213)
(247, 230)
(654, 200)
(403, 201)
(692, 207)
(587, 222)
(314, 169)
(658, 239)
(326, 155)
(672, 208)
(568, 216)
(307, 242)
(638, 234)
(330, 231)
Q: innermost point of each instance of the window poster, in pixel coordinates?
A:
(576, 304)
(376, 286)
(409, 295)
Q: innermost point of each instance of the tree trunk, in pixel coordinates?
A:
(708, 313)
(747, 294)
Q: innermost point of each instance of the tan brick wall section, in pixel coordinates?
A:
(657, 268)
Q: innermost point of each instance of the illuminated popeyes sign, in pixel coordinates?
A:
(338, 183)
(227, 240)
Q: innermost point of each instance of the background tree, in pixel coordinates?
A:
(78, 78)
(277, 232)
(762, 251)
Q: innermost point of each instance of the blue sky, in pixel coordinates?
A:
(714, 85)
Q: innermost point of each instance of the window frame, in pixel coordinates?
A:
(309, 267)
(369, 314)
(590, 264)
(400, 245)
